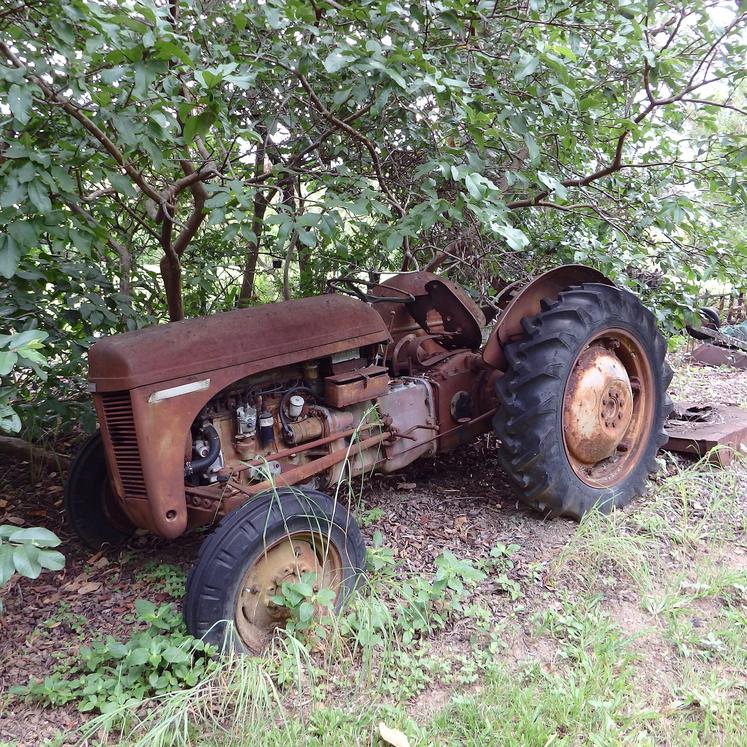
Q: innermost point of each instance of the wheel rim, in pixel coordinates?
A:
(608, 408)
(288, 559)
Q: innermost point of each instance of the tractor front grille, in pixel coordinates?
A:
(120, 424)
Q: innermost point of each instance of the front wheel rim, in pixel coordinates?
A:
(608, 408)
(295, 556)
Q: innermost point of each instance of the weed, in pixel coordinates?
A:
(602, 546)
(107, 674)
(373, 515)
(165, 576)
(64, 615)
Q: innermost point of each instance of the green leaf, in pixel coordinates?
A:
(175, 655)
(38, 536)
(337, 60)
(516, 239)
(19, 100)
(305, 612)
(553, 184)
(25, 559)
(122, 184)
(527, 65)
(9, 256)
(51, 560)
(7, 566)
(23, 232)
(197, 126)
(138, 657)
(39, 197)
(7, 361)
(472, 183)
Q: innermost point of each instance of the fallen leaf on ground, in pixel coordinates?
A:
(393, 736)
(89, 587)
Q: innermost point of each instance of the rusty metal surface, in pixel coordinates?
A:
(458, 315)
(696, 429)
(527, 303)
(463, 371)
(397, 318)
(713, 355)
(263, 338)
(305, 471)
(608, 408)
(341, 390)
(275, 334)
(410, 407)
(436, 299)
(598, 405)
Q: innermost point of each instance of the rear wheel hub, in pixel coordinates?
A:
(607, 408)
(598, 405)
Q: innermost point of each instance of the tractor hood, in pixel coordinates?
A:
(280, 334)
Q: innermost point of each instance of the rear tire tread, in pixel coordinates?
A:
(531, 392)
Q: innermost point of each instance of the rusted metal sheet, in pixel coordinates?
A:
(527, 303)
(696, 429)
(352, 387)
(460, 317)
(274, 334)
(713, 355)
(439, 306)
(409, 407)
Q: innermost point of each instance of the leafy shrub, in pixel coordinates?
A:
(109, 674)
(26, 552)
(18, 351)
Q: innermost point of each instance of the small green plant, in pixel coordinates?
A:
(409, 608)
(309, 607)
(166, 576)
(65, 616)
(366, 518)
(26, 552)
(109, 674)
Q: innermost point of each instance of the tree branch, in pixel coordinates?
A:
(76, 113)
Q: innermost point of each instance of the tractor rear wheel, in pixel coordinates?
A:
(90, 504)
(583, 402)
(285, 535)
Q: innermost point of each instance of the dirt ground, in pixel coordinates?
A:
(461, 502)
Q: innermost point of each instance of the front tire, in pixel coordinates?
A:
(583, 402)
(277, 536)
(90, 503)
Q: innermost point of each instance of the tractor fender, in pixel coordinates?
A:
(527, 303)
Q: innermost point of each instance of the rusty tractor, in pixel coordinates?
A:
(253, 418)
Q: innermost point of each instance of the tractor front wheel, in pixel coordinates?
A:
(90, 503)
(285, 536)
(584, 402)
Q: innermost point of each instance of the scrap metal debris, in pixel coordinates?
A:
(713, 355)
(717, 430)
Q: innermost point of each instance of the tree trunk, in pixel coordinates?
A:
(171, 272)
(246, 296)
